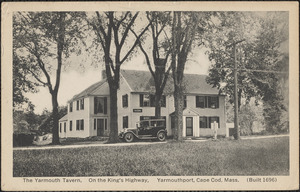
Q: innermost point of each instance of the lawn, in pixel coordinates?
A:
(223, 157)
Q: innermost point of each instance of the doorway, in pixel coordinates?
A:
(100, 127)
(189, 126)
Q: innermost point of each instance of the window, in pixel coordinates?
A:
(147, 100)
(60, 127)
(212, 119)
(213, 102)
(100, 105)
(77, 124)
(82, 104)
(77, 105)
(80, 124)
(65, 127)
(95, 124)
(207, 102)
(105, 124)
(125, 100)
(125, 122)
(71, 125)
(71, 106)
(200, 101)
(203, 122)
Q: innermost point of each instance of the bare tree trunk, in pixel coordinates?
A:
(55, 136)
(158, 97)
(178, 102)
(113, 134)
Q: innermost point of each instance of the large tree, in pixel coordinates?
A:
(183, 35)
(258, 56)
(112, 33)
(42, 40)
(157, 62)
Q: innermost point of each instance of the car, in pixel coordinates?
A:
(145, 129)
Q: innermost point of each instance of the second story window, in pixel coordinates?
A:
(100, 105)
(147, 100)
(125, 100)
(77, 105)
(213, 102)
(71, 106)
(201, 101)
(82, 104)
(207, 102)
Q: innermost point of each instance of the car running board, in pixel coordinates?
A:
(147, 137)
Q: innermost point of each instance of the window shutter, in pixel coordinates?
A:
(141, 100)
(105, 105)
(209, 122)
(208, 101)
(197, 105)
(218, 119)
(95, 105)
(217, 102)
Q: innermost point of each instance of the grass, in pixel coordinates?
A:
(224, 157)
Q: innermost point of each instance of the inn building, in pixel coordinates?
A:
(88, 111)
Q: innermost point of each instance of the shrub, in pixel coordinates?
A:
(23, 139)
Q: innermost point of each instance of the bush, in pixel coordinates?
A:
(23, 139)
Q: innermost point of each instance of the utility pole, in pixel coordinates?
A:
(236, 110)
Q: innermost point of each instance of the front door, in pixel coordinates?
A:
(189, 126)
(100, 127)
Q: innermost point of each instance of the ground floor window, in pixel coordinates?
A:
(65, 127)
(125, 122)
(80, 124)
(71, 125)
(205, 122)
(60, 127)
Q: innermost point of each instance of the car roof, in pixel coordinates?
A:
(152, 120)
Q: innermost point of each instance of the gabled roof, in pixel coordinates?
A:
(88, 90)
(142, 81)
(64, 118)
(188, 112)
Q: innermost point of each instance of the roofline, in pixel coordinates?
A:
(126, 81)
(86, 95)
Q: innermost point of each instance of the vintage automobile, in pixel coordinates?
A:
(145, 129)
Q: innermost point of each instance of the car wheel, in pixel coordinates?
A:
(128, 137)
(161, 136)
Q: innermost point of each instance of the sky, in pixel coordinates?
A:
(74, 81)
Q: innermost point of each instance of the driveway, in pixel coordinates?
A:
(81, 145)
(103, 144)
